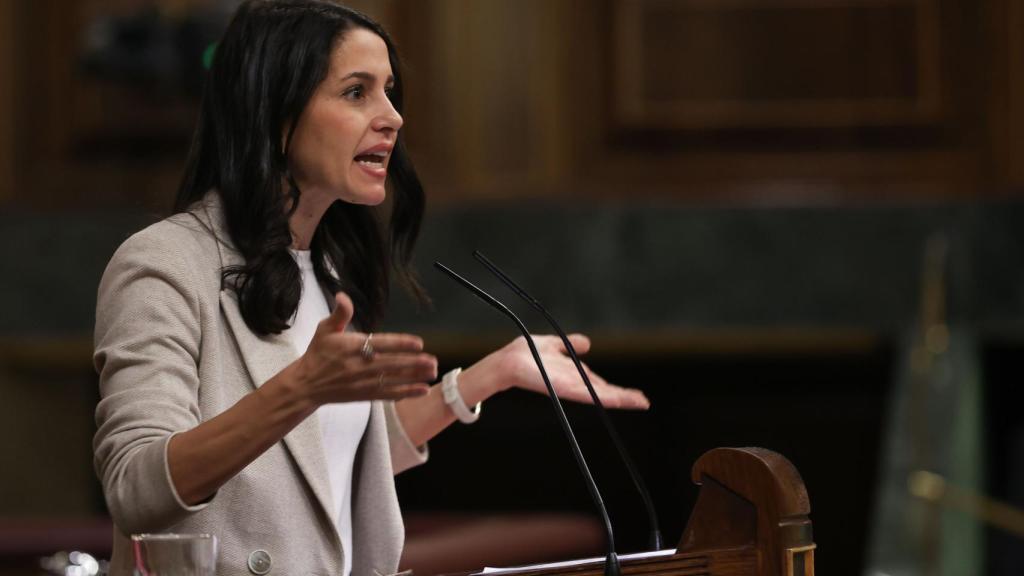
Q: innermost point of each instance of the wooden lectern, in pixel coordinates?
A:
(751, 519)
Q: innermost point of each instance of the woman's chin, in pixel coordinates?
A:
(371, 196)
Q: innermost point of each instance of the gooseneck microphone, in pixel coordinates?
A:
(654, 538)
(611, 564)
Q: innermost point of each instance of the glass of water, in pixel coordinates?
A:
(175, 554)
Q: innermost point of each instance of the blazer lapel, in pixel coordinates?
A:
(264, 357)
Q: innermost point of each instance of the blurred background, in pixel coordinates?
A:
(795, 224)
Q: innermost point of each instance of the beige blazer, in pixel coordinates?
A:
(172, 350)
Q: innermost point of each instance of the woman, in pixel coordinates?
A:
(242, 393)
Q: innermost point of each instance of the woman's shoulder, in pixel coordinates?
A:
(167, 271)
(186, 246)
(182, 235)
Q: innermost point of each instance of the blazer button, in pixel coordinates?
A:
(259, 562)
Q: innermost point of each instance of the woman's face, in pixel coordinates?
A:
(344, 138)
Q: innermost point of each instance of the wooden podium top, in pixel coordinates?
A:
(751, 519)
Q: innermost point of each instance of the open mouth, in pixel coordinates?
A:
(372, 159)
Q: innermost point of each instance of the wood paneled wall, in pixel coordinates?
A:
(1007, 105)
(780, 101)
(766, 101)
(8, 105)
(779, 64)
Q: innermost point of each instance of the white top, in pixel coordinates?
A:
(341, 425)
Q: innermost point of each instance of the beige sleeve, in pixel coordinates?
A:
(146, 353)
(404, 454)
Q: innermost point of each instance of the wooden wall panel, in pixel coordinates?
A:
(524, 99)
(771, 161)
(8, 103)
(779, 63)
(495, 89)
(1007, 97)
(1014, 28)
(84, 141)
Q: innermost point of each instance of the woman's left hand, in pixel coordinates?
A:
(513, 367)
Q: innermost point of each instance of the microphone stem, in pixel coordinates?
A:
(612, 567)
(564, 422)
(654, 538)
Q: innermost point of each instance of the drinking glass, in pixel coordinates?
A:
(175, 554)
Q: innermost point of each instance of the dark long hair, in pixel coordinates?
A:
(267, 66)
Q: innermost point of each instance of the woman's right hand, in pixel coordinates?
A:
(334, 369)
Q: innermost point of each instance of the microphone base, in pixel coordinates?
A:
(654, 541)
(611, 565)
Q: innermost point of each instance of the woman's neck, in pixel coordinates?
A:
(306, 218)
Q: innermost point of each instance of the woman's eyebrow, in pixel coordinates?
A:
(365, 76)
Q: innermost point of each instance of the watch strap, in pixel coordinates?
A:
(453, 398)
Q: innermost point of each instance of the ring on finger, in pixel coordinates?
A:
(367, 350)
(380, 381)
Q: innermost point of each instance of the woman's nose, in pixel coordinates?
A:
(388, 118)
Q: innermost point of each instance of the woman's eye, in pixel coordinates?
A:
(354, 93)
